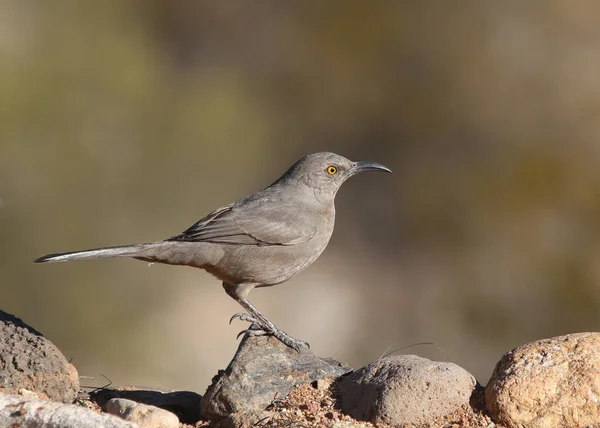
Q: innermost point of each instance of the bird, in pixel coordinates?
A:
(261, 240)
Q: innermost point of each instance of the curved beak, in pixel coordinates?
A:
(363, 166)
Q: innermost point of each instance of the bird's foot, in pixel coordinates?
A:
(253, 330)
(258, 329)
(297, 345)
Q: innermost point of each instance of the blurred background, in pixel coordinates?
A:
(127, 121)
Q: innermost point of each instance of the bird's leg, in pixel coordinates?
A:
(239, 293)
(271, 328)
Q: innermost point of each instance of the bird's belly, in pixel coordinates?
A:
(268, 265)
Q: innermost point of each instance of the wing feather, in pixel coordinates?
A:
(250, 224)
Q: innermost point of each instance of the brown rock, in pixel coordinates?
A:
(184, 404)
(142, 414)
(30, 394)
(17, 411)
(30, 361)
(322, 384)
(262, 370)
(405, 389)
(245, 420)
(549, 383)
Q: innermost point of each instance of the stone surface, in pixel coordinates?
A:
(549, 383)
(184, 404)
(30, 361)
(16, 411)
(237, 420)
(142, 414)
(263, 369)
(405, 389)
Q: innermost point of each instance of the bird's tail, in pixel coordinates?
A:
(137, 250)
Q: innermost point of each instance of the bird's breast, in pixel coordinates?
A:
(270, 265)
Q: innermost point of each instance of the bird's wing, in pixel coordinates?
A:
(250, 225)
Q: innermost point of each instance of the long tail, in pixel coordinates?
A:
(137, 250)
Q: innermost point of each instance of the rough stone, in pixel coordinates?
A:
(322, 384)
(16, 411)
(142, 414)
(184, 404)
(30, 361)
(27, 393)
(237, 420)
(548, 383)
(405, 389)
(262, 370)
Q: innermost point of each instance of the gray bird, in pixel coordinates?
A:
(261, 240)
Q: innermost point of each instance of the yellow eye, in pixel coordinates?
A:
(331, 169)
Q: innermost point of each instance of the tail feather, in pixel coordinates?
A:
(137, 250)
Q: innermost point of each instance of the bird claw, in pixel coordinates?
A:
(242, 317)
(256, 329)
(252, 332)
(297, 345)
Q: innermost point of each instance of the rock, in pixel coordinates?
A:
(322, 384)
(237, 420)
(30, 361)
(142, 414)
(184, 404)
(27, 393)
(548, 383)
(262, 370)
(16, 411)
(350, 424)
(405, 389)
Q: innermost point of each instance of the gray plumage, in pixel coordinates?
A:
(260, 240)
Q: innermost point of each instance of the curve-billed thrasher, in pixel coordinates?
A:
(258, 241)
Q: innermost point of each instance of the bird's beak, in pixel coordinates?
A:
(368, 166)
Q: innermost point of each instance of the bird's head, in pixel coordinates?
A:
(325, 172)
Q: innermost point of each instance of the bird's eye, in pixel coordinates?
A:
(331, 170)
